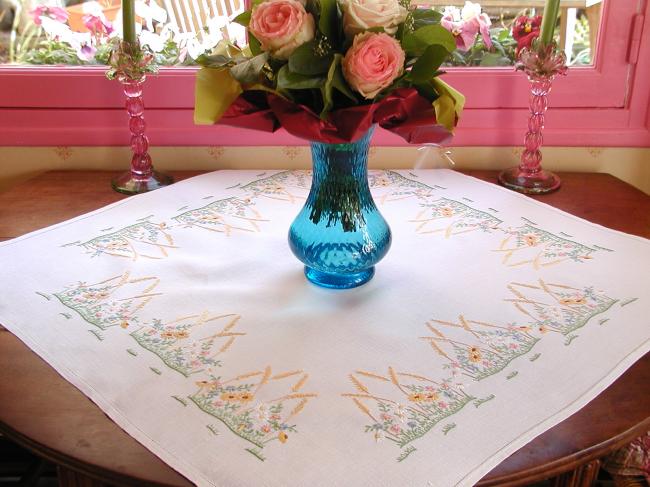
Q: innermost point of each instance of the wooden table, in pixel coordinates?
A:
(43, 412)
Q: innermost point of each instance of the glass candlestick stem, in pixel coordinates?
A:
(142, 177)
(529, 177)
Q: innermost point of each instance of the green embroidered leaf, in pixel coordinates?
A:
(416, 43)
(305, 61)
(249, 71)
(294, 81)
(427, 65)
(243, 18)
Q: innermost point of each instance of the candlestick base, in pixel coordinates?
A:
(541, 182)
(129, 183)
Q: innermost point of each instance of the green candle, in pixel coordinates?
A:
(548, 23)
(128, 21)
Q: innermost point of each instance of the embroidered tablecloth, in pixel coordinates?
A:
(184, 316)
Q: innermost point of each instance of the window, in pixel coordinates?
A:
(603, 101)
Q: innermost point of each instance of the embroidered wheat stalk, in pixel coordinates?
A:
(298, 408)
(284, 375)
(298, 385)
(358, 385)
(370, 374)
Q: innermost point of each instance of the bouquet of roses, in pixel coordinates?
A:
(328, 70)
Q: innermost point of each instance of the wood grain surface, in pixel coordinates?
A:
(45, 413)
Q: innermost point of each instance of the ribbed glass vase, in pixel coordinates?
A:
(339, 234)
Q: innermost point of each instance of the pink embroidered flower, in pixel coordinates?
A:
(55, 13)
(386, 417)
(395, 429)
(281, 26)
(373, 62)
(443, 405)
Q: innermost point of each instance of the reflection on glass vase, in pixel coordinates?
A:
(339, 234)
(542, 64)
(141, 177)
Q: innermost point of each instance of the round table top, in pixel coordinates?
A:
(45, 413)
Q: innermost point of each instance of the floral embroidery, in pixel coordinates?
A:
(258, 406)
(389, 186)
(479, 349)
(170, 341)
(528, 245)
(290, 186)
(111, 302)
(226, 216)
(146, 239)
(451, 217)
(558, 308)
(403, 407)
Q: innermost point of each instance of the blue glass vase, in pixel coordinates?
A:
(339, 234)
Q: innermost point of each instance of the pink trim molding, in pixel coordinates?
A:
(604, 105)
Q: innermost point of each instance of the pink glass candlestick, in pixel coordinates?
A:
(542, 65)
(142, 177)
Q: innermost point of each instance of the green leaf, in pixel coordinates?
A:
(427, 90)
(495, 59)
(422, 17)
(249, 71)
(335, 80)
(503, 35)
(254, 45)
(417, 42)
(243, 18)
(305, 61)
(427, 65)
(328, 19)
(288, 80)
(213, 61)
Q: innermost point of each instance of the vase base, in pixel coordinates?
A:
(126, 183)
(338, 281)
(540, 183)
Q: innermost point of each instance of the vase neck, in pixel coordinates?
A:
(351, 158)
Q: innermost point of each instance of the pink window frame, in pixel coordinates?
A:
(604, 105)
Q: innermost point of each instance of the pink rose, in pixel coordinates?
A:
(281, 26)
(372, 63)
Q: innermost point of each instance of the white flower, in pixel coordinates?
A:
(453, 13)
(93, 8)
(470, 11)
(361, 15)
(262, 411)
(400, 412)
(56, 30)
(155, 42)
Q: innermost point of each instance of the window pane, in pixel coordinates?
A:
(73, 32)
(507, 25)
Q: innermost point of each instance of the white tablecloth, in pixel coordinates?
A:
(183, 314)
